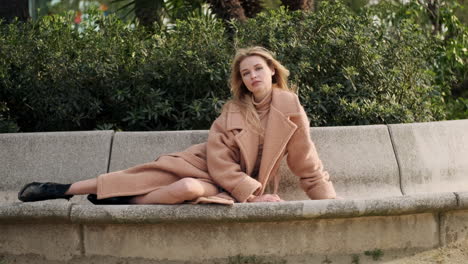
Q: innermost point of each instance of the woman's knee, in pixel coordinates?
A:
(190, 188)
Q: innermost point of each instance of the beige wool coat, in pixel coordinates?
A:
(228, 158)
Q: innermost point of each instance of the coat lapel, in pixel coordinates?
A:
(247, 140)
(278, 132)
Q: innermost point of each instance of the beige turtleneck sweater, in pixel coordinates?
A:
(263, 109)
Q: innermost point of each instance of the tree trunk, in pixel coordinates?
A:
(293, 5)
(432, 7)
(434, 15)
(251, 7)
(9, 9)
(228, 9)
(149, 11)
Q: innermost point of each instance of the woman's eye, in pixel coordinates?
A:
(258, 68)
(245, 73)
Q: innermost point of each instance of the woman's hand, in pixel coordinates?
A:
(265, 198)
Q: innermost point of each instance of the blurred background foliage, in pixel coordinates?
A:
(179, 9)
(84, 65)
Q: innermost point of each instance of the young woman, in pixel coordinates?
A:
(262, 123)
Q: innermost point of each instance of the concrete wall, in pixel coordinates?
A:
(363, 161)
(359, 159)
(292, 232)
(53, 156)
(405, 188)
(433, 156)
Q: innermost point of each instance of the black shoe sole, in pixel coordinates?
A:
(109, 201)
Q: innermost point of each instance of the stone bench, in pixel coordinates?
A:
(405, 189)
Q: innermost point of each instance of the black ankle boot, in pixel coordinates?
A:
(112, 200)
(38, 191)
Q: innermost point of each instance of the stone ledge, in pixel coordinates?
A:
(150, 214)
(396, 205)
(57, 211)
(46, 212)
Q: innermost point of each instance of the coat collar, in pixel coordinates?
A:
(235, 120)
(277, 134)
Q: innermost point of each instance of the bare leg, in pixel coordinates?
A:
(182, 190)
(83, 187)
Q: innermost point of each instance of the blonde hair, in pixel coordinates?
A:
(241, 96)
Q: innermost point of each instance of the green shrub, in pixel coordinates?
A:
(449, 62)
(109, 74)
(457, 108)
(350, 70)
(376, 254)
(59, 78)
(6, 124)
(191, 66)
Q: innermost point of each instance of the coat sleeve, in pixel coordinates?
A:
(223, 160)
(304, 161)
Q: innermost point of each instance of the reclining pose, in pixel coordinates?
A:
(262, 123)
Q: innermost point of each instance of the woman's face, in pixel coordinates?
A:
(256, 75)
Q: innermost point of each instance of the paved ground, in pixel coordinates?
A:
(453, 254)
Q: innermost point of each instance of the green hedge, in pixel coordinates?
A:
(111, 75)
(349, 69)
(449, 62)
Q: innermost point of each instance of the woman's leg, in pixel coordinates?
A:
(83, 187)
(182, 190)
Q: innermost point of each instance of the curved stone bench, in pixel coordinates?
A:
(405, 188)
(52, 156)
(432, 156)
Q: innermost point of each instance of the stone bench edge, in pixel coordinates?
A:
(64, 212)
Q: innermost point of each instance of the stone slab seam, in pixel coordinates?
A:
(442, 235)
(397, 158)
(80, 231)
(439, 227)
(82, 240)
(457, 196)
(69, 212)
(110, 151)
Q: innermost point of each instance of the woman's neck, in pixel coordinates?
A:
(258, 98)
